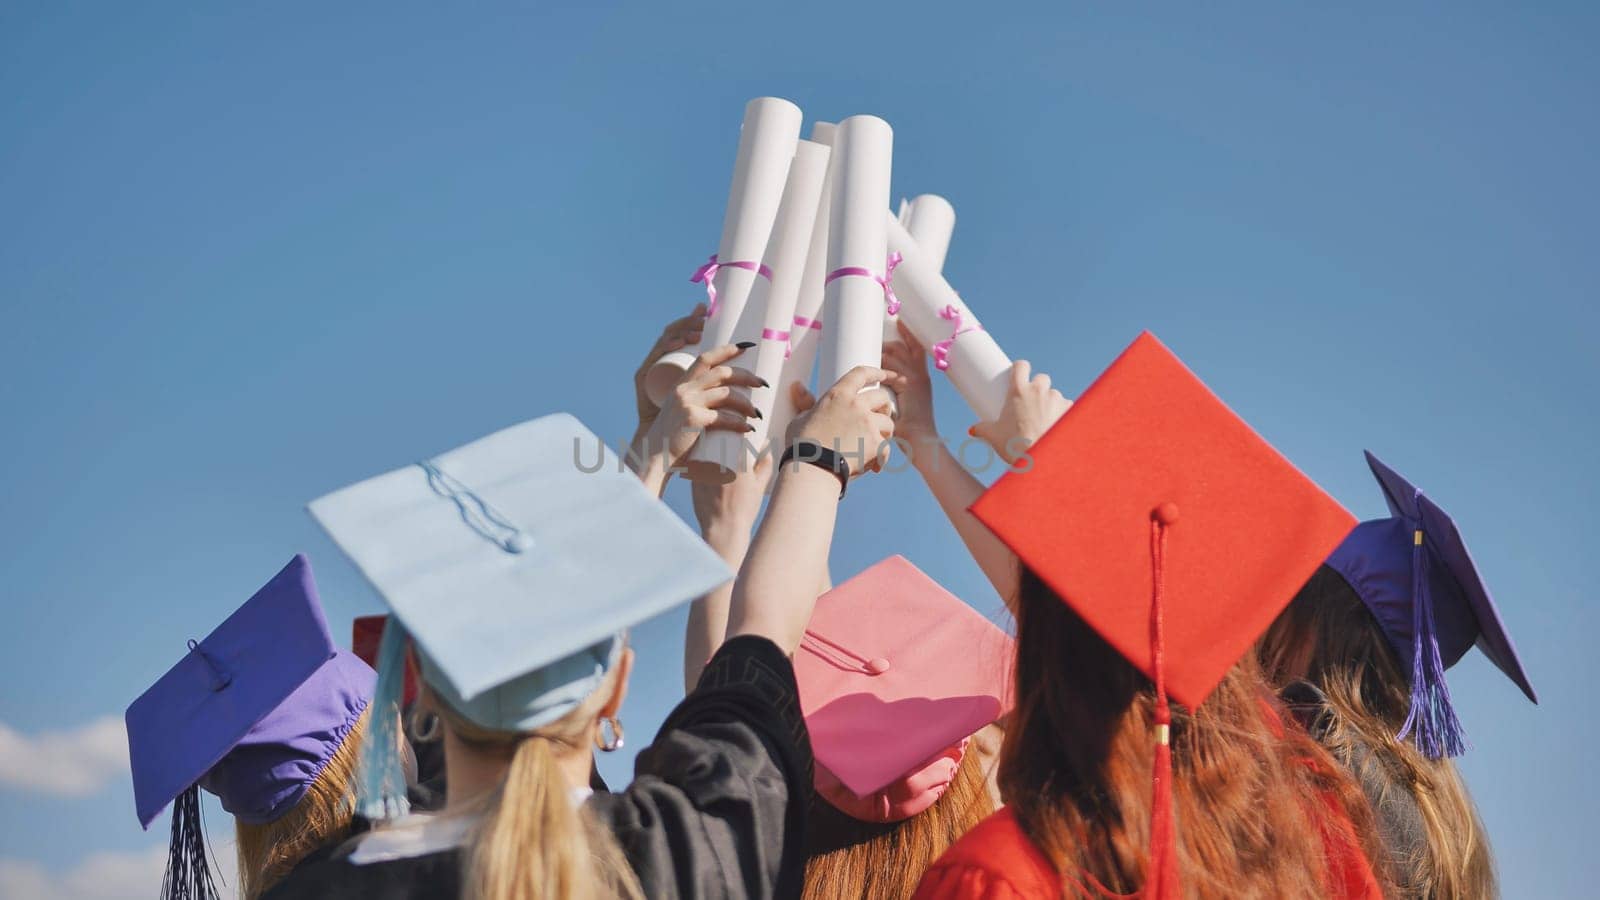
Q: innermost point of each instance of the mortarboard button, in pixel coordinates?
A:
(517, 543)
(877, 666)
(1166, 513)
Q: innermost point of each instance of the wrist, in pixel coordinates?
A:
(924, 450)
(809, 476)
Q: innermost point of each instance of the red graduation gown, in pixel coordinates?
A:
(997, 861)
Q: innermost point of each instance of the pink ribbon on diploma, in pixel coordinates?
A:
(772, 334)
(941, 349)
(803, 322)
(707, 274)
(886, 280)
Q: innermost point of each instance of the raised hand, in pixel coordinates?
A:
(679, 333)
(852, 421)
(909, 360)
(1031, 407)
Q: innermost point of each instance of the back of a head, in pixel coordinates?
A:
(1078, 756)
(533, 840)
(849, 857)
(322, 818)
(1329, 639)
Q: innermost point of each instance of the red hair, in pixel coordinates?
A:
(1076, 765)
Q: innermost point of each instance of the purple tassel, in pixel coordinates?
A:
(1438, 731)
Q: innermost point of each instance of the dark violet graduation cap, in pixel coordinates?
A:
(1172, 529)
(251, 713)
(1414, 573)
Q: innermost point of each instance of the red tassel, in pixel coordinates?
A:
(1161, 876)
(1161, 881)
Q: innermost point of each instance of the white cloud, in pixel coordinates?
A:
(72, 763)
(100, 876)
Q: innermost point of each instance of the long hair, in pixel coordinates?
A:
(873, 861)
(322, 818)
(533, 841)
(1249, 794)
(1328, 638)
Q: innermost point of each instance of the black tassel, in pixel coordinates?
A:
(188, 874)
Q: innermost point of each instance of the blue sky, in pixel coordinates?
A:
(248, 255)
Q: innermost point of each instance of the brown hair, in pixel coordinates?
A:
(533, 841)
(1328, 638)
(873, 861)
(322, 818)
(1248, 793)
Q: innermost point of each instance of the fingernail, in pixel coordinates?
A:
(764, 382)
(745, 345)
(759, 415)
(972, 432)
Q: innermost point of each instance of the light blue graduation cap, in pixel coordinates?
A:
(515, 566)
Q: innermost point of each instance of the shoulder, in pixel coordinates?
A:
(994, 861)
(401, 863)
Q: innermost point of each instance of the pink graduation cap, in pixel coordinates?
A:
(895, 675)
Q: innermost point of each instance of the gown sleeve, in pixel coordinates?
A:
(958, 882)
(718, 804)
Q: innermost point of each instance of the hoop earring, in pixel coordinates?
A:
(609, 737)
(424, 726)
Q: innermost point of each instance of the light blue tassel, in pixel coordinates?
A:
(380, 777)
(1432, 716)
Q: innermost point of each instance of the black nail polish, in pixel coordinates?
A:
(763, 382)
(745, 345)
(759, 415)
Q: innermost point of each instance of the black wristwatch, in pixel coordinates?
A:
(821, 457)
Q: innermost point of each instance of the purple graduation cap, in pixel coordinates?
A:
(252, 713)
(1413, 572)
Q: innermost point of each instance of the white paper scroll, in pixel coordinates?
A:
(805, 327)
(852, 308)
(944, 324)
(766, 145)
(768, 317)
(931, 220)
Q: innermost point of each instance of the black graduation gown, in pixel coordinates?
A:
(1399, 818)
(717, 807)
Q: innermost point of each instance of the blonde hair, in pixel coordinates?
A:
(852, 858)
(533, 842)
(1341, 651)
(323, 817)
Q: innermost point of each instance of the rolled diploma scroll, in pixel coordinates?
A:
(766, 145)
(805, 328)
(852, 306)
(768, 316)
(978, 368)
(931, 220)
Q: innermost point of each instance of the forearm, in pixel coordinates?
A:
(777, 588)
(648, 462)
(708, 616)
(956, 489)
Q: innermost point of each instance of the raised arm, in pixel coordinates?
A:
(727, 514)
(777, 588)
(952, 485)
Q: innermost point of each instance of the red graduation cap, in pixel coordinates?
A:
(1172, 528)
(366, 635)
